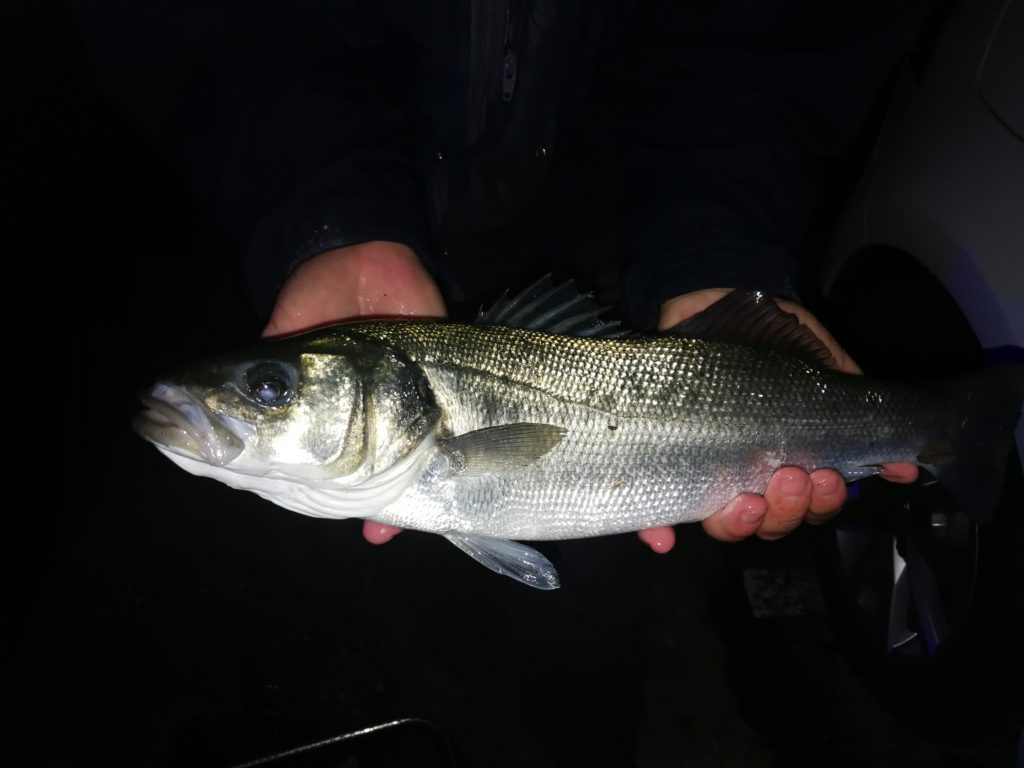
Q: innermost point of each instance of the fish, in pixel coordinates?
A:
(542, 421)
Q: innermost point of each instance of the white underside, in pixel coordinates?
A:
(339, 498)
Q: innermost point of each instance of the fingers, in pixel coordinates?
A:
(660, 540)
(740, 518)
(794, 496)
(791, 497)
(379, 533)
(900, 473)
(827, 495)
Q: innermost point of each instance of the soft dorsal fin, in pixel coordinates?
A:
(561, 309)
(754, 319)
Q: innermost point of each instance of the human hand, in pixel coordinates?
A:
(792, 496)
(376, 278)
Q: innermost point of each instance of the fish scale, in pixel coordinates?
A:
(695, 424)
(489, 433)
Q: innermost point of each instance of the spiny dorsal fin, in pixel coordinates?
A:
(557, 309)
(752, 318)
(496, 450)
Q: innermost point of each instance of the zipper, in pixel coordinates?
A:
(491, 30)
(509, 64)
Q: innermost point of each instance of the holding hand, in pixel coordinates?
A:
(792, 496)
(370, 279)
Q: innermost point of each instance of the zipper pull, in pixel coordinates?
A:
(509, 70)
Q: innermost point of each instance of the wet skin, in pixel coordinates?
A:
(387, 279)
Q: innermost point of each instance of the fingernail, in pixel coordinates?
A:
(752, 513)
(828, 484)
(660, 540)
(378, 533)
(794, 486)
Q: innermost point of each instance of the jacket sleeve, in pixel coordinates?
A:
(733, 112)
(286, 120)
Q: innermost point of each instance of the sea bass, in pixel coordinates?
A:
(542, 422)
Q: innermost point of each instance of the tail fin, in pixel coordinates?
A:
(972, 466)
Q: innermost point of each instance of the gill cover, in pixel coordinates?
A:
(391, 408)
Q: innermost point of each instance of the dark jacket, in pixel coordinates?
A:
(681, 144)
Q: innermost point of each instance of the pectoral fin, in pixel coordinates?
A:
(495, 450)
(510, 558)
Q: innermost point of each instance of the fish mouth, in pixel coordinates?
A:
(178, 422)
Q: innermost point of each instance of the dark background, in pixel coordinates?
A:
(163, 619)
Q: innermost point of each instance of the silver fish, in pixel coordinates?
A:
(542, 422)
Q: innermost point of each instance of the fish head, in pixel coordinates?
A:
(320, 409)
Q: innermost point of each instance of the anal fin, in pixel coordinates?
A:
(509, 558)
(852, 472)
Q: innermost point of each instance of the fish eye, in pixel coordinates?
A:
(269, 384)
